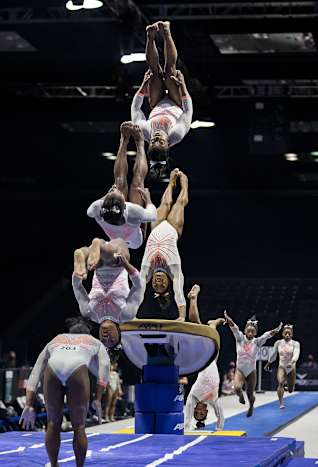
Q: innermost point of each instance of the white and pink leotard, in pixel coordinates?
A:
(130, 231)
(205, 389)
(67, 352)
(110, 296)
(161, 254)
(288, 352)
(246, 350)
(166, 116)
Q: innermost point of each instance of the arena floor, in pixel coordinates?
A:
(116, 444)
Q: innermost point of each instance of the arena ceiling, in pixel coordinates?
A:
(64, 93)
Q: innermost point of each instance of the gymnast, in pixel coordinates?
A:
(161, 262)
(288, 351)
(110, 300)
(65, 362)
(121, 211)
(171, 104)
(247, 346)
(204, 393)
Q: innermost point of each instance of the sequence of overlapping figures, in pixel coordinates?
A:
(124, 213)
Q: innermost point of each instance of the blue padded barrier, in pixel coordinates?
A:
(153, 397)
(167, 423)
(163, 374)
(144, 422)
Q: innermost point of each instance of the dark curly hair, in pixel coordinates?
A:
(112, 210)
(200, 425)
(78, 325)
(157, 171)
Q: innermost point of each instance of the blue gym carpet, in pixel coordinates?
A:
(17, 449)
(21, 449)
(268, 418)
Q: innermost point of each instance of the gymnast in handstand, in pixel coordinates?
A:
(123, 209)
(170, 102)
(204, 394)
(110, 300)
(161, 264)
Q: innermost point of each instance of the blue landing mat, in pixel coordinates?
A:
(18, 449)
(268, 418)
(297, 462)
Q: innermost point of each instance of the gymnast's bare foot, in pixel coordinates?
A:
(183, 180)
(126, 129)
(152, 30)
(181, 319)
(94, 255)
(137, 134)
(164, 27)
(194, 292)
(174, 174)
(214, 323)
(80, 270)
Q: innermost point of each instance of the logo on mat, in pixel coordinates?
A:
(179, 426)
(179, 398)
(150, 326)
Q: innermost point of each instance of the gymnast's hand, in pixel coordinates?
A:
(147, 77)
(121, 260)
(279, 327)
(27, 418)
(228, 320)
(178, 78)
(145, 194)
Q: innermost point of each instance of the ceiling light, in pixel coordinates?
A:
(131, 153)
(70, 6)
(134, 57)
(74, 5)
(201, 124)
(314, 153)
(291, 156)
(91, 4)
(109, 155)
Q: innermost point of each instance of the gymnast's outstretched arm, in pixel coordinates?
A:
(267, 335)
(182, 126)
(81, 296)
(178, 283)
(137, 115)
(239, 336)
(28, 415)
(38, 370)
(136, 293)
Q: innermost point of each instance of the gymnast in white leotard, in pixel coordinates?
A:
(204, 394)
(110, 300)
(123, 209)
(247, 346)
(161, 262)
(288, 351)
(65, 362)
(169, 99)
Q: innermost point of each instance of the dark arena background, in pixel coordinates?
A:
(251, 232)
